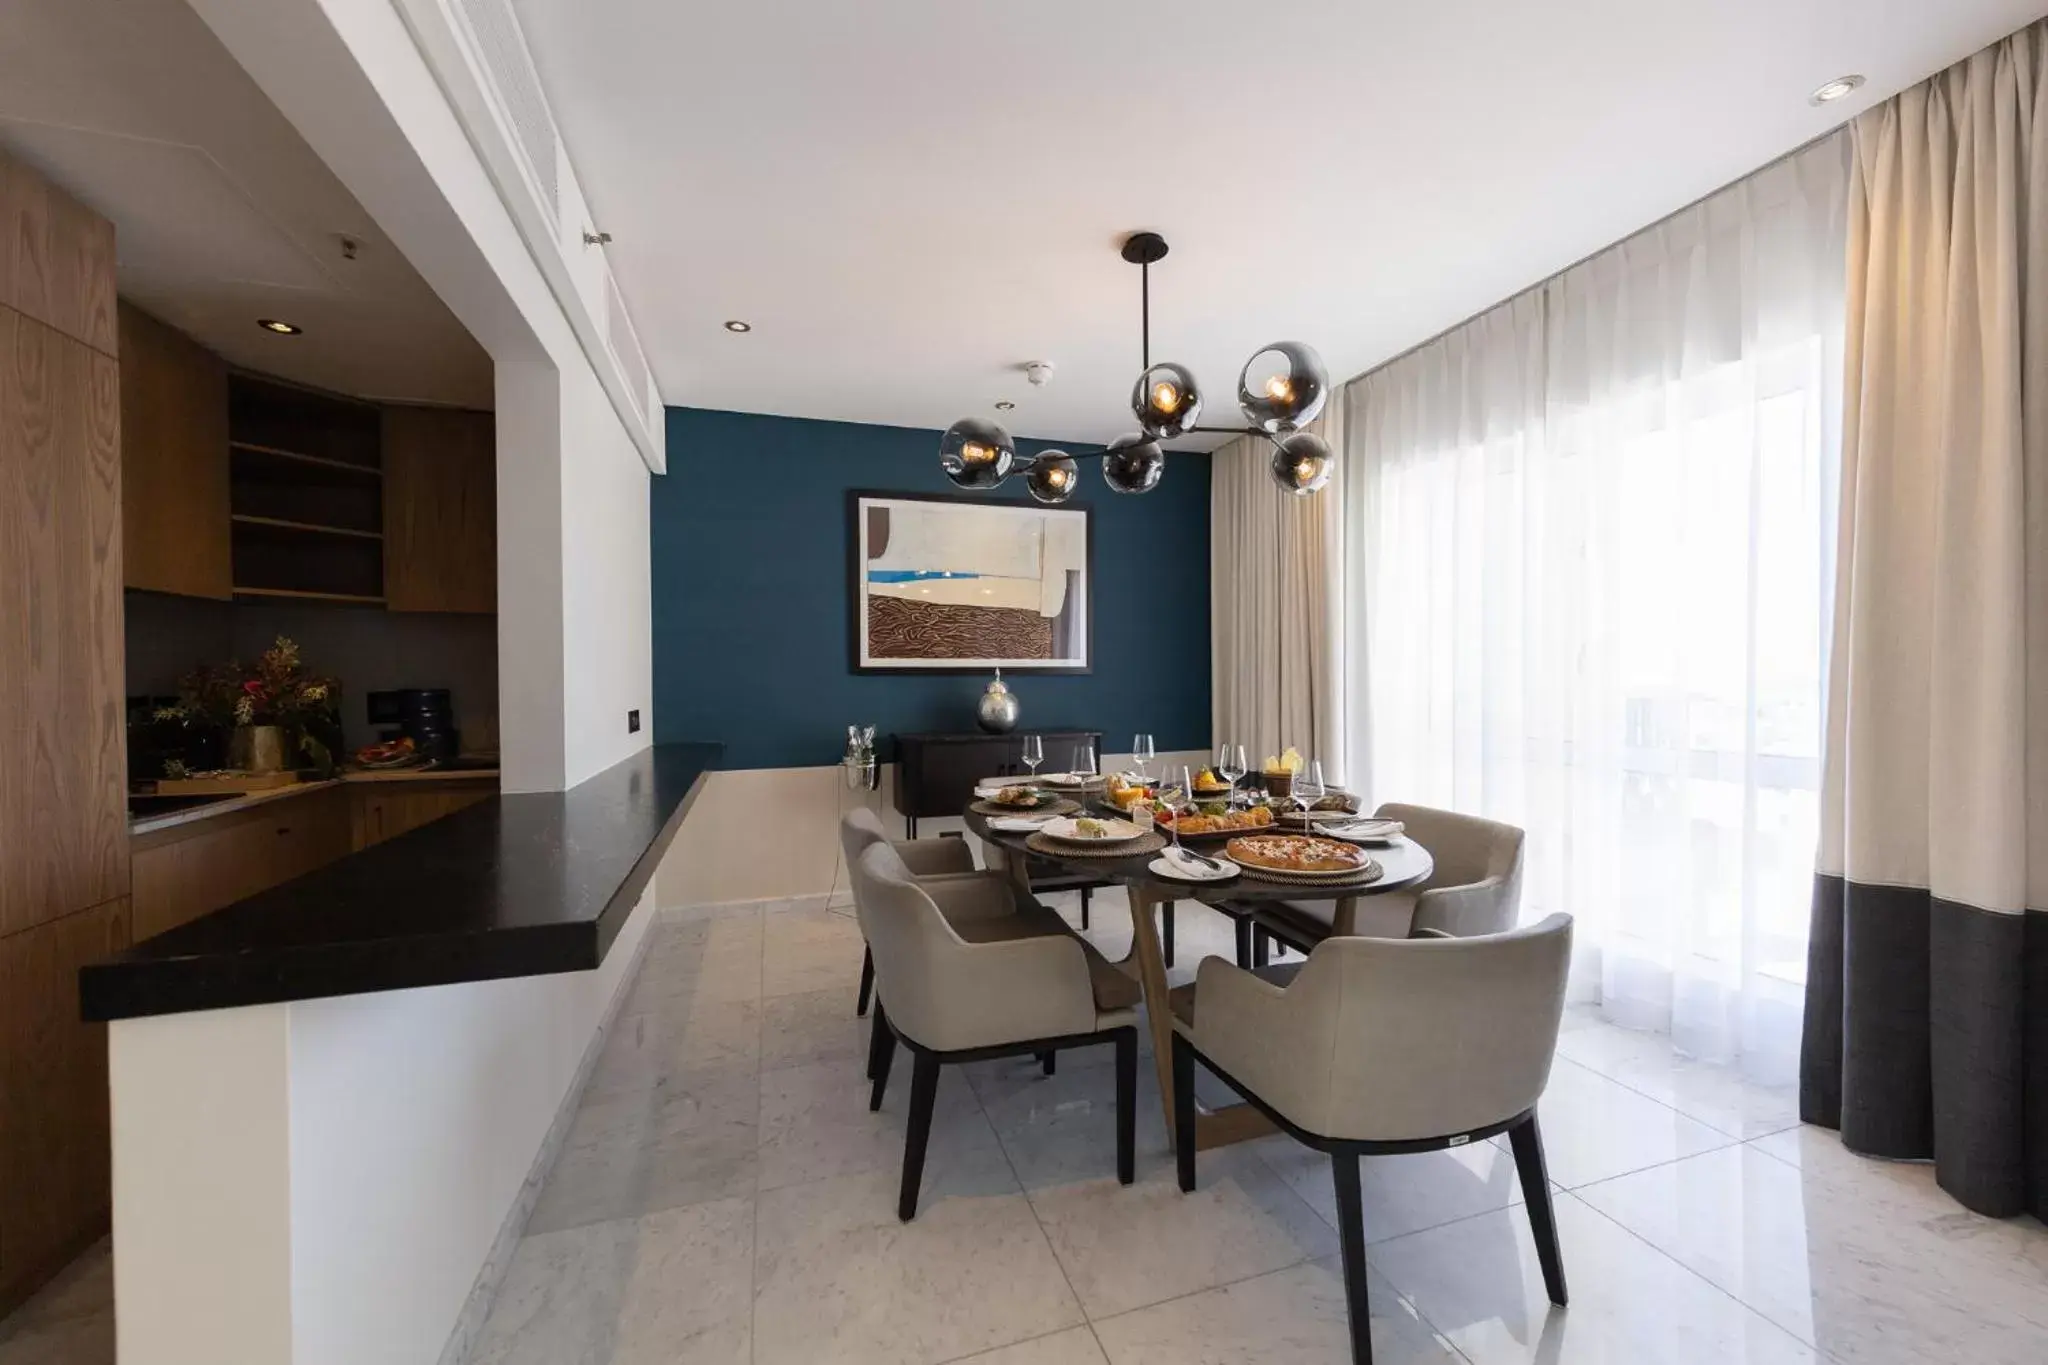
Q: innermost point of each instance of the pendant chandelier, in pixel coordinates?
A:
(1282, 388)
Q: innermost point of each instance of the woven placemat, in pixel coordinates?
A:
(1134, 848)
(1060, 807)
(1371, 873)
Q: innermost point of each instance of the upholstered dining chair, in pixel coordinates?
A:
(860, 827)
(1475, 889)
(1376, 1046)
(983, 978)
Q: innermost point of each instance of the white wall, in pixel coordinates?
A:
(318, 1183)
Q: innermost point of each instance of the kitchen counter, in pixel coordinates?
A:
(149, 824)
(528, 884)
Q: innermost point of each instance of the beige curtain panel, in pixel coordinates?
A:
(1926, 1031)
(1273, 600)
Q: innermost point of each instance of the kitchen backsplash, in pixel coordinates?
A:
(368, 648)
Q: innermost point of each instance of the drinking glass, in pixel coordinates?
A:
(1230, 766)
(1173, 796)
(1308, 786)
(1141, 753)
(1084, 761)
(1034, 754)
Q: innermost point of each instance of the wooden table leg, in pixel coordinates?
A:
(1152, 978)
(1344, 923)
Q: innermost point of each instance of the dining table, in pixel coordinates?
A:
(1403, 863)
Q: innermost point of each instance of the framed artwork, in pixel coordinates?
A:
(943, 584)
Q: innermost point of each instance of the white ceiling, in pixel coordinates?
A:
(910, 198)
(222, 213)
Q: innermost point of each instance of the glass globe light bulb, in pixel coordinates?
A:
(1133, 464)
(1166, 401)
(1052, 477)
(1302, 463)
(976, 453)
(1283, 387)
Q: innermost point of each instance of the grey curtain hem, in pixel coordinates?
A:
(1926, 1037)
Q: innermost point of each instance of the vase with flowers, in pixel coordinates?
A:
(274, 709)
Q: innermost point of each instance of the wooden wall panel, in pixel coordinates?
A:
(56, 258)
(63, 760)
(440, 510)
(54, 1152)
(174, 461)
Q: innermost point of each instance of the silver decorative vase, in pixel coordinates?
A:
(997, 712)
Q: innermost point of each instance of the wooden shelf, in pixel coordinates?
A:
(319, 461)
(310, 596)
(281, 524)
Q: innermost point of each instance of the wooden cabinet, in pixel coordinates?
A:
(440, 510)
(174, 461)
(386, 810)
(63, 784)
(190, 870)
(935, 774)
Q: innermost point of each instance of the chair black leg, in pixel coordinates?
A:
(867, 979)
(1262, 947)
(1166, 919)
(1126, 1105)
(924, 1093)
(1048, 1062)
(1351, 1234)
(1244, 943)
(881, 1051)
(1086, 892)
(1184, 1112)
(1528, 1147)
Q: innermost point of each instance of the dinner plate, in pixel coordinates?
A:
(1068, 779)
(1363, 831)
(1039, 801)
(1065, 830)
(1019, 824)
(1166, 865)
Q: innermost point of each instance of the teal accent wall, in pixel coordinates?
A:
(749, 548)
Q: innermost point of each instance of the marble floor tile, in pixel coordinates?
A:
(1297, 1315)
(1887, 1276)
(684, 975)
(1718, 1096)
(1075, 1346)
(838, 1278)
(1062, 1128)
(1402, 1194)
(811, 950)
(676, 1039)
(664, 1147)
(1477, 1281)
(695, 914)
(816, 1026)
(1594, 1128)
(1127, 1246)
(815, 1123)
(670, 1286)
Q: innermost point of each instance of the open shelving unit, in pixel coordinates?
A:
(306, 494)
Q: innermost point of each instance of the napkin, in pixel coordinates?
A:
(1019, 824)
(1184, 863)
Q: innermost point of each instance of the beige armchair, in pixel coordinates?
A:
(1376, 1046)
(1475, 889)
(989, 982)
(860, 827)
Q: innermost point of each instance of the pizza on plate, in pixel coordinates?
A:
(1295, 853)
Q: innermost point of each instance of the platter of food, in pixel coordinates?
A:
(1021, 798)
(1302, 856)
(1090, 830)
(1215, 822)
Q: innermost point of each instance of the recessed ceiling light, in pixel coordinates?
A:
(1004, 405)
(735, 325)
(1836, 89)
(283, 329)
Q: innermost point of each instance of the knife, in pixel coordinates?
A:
(1201, 858)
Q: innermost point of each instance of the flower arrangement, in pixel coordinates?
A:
(275, 690)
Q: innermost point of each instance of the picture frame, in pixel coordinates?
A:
(950, 584)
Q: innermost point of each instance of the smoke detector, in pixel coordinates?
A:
(1039, 372)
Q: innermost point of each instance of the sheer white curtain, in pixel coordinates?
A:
(1588, 593)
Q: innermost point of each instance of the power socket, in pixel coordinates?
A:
(633, 722)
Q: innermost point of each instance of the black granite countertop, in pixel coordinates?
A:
(519, 885)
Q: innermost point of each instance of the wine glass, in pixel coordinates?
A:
(1084, 761)
(1230, 765)
(1034, 754)
(1141, 753)
(1173, 796)
(1309, 788)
